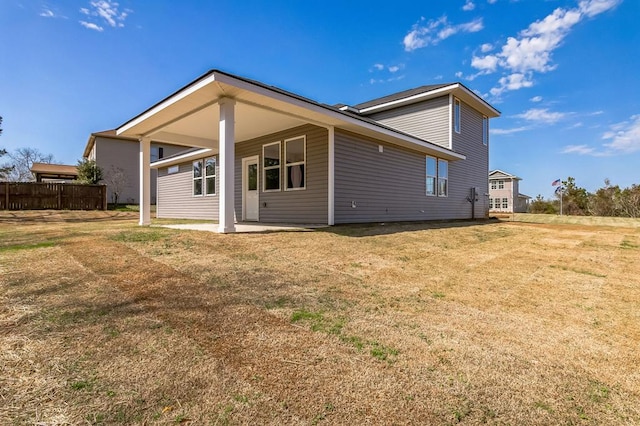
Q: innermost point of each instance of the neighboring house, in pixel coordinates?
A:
(46, 172)
(259, 153)
(117, 156)
(504, 193)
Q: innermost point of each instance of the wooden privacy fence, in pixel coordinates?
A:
(52, 195)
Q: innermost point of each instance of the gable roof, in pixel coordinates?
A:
(186, 115)
(499, 174)
(423, 93)
(104, 134)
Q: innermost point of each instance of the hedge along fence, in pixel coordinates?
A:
(52, 195)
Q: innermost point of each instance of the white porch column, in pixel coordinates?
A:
(226, 198)
(145, 181)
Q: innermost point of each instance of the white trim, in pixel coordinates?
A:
(435, 176)
(145, 181)
(168, 102)
(331, 180)
(279, 167)
(214, 176)
(413, 98)
(303, 162)
(485, 130)
(226, 199)
(254, 159)
(450, 126)
(182, 158)
(438, 179)
(457, 117)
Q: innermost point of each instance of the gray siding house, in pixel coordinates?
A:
(504, 193)
(117, 157)
(258, 153)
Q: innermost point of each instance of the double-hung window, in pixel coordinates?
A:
(443, 178)
(494, 184)
(456, 115)
(490, 203)
(437, 177)
(197, 177)
(500, 184)
(505, 203)
(432, 175)
(210, 175)
(295, 159)
(271, 166)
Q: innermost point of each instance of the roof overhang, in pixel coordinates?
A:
(457, 89)
(189, 116)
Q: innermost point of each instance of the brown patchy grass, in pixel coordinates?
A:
(104, 322)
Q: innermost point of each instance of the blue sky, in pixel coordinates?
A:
(564, 73)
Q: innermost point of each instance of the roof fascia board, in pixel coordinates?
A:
(177, 96)
(410, 99)
(181, 158)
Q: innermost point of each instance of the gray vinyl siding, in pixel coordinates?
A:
(474, 171)
(391, 185)
(175, 196)
(426, 120)
(111, 154)
(300, 206)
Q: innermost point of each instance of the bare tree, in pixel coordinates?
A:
(4, 170)
(116, 180)
(21, 161)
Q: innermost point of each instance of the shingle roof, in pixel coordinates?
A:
(401, 95)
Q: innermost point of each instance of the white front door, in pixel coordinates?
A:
(250, 197)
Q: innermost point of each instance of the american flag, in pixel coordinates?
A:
(555, 182)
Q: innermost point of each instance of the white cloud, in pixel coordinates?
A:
(531, 51)
(514, 81)
(394, 68)
(625, 136)
(542, 115)
(578, 149)
(47, 13)
(508, 131)
(91, 26)
(459, 74)
(468, 6)
(432, 32)
(487, 47)
(536, 99)
(106, 11)
(379, 67)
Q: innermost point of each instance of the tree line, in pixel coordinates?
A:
(610, 200)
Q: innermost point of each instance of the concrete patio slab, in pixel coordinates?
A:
(246, 227)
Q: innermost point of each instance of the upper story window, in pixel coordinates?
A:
(494, 184)
(271, 166)
(295, 160)
(485, 130)
(500, 184)
(157, 153)
(456, 115)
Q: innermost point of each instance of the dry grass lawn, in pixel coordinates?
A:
(105, 322)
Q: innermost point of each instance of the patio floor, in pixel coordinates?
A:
(245, 227)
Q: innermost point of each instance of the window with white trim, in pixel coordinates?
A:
(210, 176)
(173, 169)
(443, 178)
(494, 184)
(432, 175)
(456, 115)
(505, 203)
(295, 161)
(500, 184)
(197, 178)
(156, 153)
(490, 203)
(485, 130)
(271, 166)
